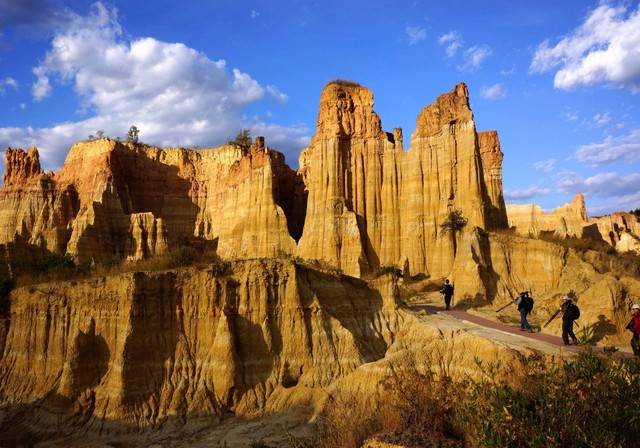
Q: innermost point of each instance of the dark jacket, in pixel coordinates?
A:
(570, 312)
(526, 303)
(447, 290)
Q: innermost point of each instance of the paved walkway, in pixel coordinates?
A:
(483, 322)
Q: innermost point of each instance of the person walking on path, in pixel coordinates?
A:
(634, 327)
(447, 292)
(570, 313)
(525, 306)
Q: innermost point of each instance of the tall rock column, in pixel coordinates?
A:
(442, 172)
(342, 170)
(492, 156)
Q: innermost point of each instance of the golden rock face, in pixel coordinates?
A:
(363, 185)
(138, 350)
(565, 221)
(358, 202)
(136, 201)
(149, 346)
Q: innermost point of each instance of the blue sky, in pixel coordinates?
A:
(560, 81)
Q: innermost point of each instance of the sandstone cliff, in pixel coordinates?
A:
(146, 348)
(620, 230)
(130, 200)
(491, 157)
(565, 221)
(497, 266)
(371, 203)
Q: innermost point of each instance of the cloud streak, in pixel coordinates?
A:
(493, 92)
(611, 149)
(415, 34)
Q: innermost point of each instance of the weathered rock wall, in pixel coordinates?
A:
(491, 156)
(142, 348)
(130, 200)
(565, 221)
(495, 267)
(371, 203)
(621, 230)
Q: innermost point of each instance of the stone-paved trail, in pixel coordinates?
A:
(511, 329)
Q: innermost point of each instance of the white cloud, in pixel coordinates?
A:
(415, 34)
(493, 92)
(277, 94)
(41, 88)
(545, 165)
(605, 48)
(601, 119)
(254, 14)
(173, 93)
(474, 57)
(604, 185)
(508, 72)
(453, 41)
(611, 149)
(527, 193)
(8, 82)
(570, 115)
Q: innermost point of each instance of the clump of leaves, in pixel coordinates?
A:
(454, 222)
(242, 139)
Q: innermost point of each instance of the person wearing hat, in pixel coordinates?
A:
(570, 313)
(634, 327)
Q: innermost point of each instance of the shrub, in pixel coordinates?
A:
(588, 401)
(242, 139)
(182, 256)
(55, 262)
(133, 134)
(383, 270)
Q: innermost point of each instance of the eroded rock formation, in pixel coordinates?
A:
(371, 203)
(130, 200)
(565, 221)
(141, 349)
(620, 230)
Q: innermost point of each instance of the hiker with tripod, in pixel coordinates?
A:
(525, 305)
(570, 313)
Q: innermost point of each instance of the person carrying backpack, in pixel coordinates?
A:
(634, 327)
(447, 292)
(525, 306)
(570, 313)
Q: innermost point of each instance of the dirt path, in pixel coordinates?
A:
(510, 329)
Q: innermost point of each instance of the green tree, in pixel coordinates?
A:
(132, 135)
(100, 134)
(454, 223)
(243, 139)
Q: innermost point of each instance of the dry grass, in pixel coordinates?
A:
(587, 401)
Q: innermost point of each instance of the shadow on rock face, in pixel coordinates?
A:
(604, 327)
